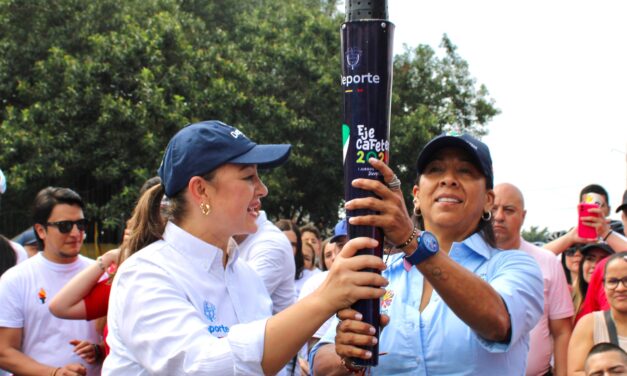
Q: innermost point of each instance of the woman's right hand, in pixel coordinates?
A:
(346, 283)
(352, 334)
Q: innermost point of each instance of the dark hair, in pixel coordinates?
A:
(8, 258)
(484, 228)
(582, 285)
(289, 225)
(595, 188)
(309, 227)
(149, 184)
(47, 199)
(603, 347)
(618, 255)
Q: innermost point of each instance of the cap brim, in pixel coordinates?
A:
(265, 156)
(601, 246)
(622, 207)
(442, 142)
(336, 237)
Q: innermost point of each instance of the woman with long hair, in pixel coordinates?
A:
(185, 304)
(602, 326)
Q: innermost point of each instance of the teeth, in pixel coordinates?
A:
(447, 199)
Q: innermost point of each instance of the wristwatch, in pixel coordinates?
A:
(427, 247)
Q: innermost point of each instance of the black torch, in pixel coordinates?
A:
(367, 86)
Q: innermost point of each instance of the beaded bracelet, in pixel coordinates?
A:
(411, 238)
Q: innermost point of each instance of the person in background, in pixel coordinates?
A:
(622, 208)
(571, 261)
(606, 359)
(337, 242)
(456, 304)
(603, 326)
(606, 229)
(592, 255)
(8, 255)
(328, 254)
(549, 338)
(32, 340)
(186, 304)
(28, 241)
(269, 253)
(311, 235)
(309, 257)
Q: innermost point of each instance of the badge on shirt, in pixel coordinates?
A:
(386, 300)
(42, 295)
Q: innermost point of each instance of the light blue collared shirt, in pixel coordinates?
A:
(436, 341)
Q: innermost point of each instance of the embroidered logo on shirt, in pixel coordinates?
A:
(386, 300)
(210, 311)
(42, 295)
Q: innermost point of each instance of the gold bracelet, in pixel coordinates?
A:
(414, 232)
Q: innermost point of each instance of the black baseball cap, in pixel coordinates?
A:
(478, 151)
(602, 246)
(623, 206)
(202, 147)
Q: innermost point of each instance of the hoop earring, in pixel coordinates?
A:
(417, 212)
(488, 217)
(205, 209)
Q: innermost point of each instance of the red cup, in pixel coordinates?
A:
(584, 231)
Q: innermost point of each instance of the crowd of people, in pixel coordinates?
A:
(204, 282)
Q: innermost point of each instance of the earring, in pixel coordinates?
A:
(487, 217)
(205, 209)
(417, 212)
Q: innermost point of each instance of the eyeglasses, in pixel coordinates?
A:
(612, 283)
(570, 252)
(66, 226)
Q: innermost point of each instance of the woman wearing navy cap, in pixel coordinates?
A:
(185, 304)
(457, 305)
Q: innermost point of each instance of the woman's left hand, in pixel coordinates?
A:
(393, 217)
(352, 334)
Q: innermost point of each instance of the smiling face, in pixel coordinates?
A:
(59, 247)
(452, 194)
(235, 194)
(616, 269)
(590, 260)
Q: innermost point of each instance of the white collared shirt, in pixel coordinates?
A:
(269, 253)
(174, 309)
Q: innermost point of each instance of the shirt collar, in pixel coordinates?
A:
(476, 244)
(197, 249)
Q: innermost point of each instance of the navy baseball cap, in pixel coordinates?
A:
(475, 148)
(202, 147)
(339, 231)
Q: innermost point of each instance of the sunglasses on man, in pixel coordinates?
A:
(66, 226)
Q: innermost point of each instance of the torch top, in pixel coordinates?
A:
(359, 10)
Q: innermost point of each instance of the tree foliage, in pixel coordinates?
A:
(91, 92)
(535, 234)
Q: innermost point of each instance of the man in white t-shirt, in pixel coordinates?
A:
(551, 334)
(32, 340)
(269, 253)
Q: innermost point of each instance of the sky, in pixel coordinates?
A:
(557, 71)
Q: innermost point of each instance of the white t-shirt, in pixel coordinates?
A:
(269, 253)
(299, 283)
(25, 291)
(175, 310)
(310, 286)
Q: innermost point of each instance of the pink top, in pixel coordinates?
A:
(557, 305)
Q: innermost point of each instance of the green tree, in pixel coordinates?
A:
(89, 101)
(534, 234)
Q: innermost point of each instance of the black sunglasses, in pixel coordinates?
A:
(66, 226)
